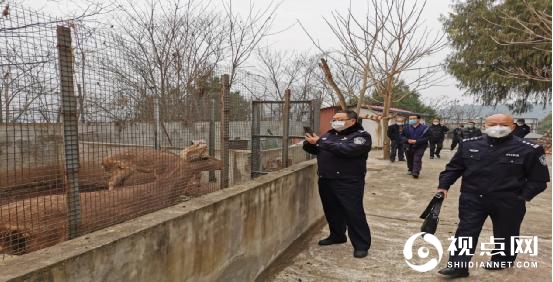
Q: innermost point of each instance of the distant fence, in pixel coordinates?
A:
(92, 135)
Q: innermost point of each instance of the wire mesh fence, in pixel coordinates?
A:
(93, 132)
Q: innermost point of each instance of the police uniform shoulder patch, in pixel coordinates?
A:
(535, 146)
(543, 160)
(359, 140)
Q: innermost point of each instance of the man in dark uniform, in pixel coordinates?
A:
(437, 135)
(471, 131)
(415, 138)
(396, 146)
(500, 173)
(457, 136)
(342, 163)
(521, 128)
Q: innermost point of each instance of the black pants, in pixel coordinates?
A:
(506, 212)
(397, 147)
(454, 143)
(436, 147)
(343, 207)
(414, 159)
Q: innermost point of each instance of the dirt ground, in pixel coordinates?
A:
(393, 202)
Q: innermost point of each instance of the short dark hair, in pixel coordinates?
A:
(351, 114)
(521, 120)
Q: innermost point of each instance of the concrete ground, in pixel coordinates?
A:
(393, 202)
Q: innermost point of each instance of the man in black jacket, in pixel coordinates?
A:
(521, 128)
(500, 173)
(437, 134)
(394, 133)
(471, 131)
(457, 136)
(342, 155)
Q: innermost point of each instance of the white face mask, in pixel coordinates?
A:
(498, 131)
(339, 125)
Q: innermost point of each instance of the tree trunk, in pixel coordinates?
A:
(330, 80)
(385, 118)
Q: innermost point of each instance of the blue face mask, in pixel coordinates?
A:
(412, 121)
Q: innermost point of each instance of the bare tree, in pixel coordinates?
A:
(246, 32)
(382, 46)
(171, 51)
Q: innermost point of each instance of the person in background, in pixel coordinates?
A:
(415, 137)
(471, 131)
(457, 136)
(394, 133)
(437, 135)
(521, 128)
(342, 154)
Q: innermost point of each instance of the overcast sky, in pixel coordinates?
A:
(311, 13)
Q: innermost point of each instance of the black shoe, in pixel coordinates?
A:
(360, 253)
(431, 157)
(438, 156)
(454, 272)
(402, 160)
(328, 241)
(409, 173)
(392, 160)
(415, 175)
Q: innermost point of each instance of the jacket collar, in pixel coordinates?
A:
(501, 140)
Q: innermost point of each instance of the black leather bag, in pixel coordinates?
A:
(431, 214)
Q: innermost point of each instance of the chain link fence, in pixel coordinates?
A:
(94, 133)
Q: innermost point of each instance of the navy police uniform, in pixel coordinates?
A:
(341, 159)
(498, 176)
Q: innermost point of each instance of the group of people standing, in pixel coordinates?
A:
(410, 141)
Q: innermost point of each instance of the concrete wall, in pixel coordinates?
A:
(230, 235)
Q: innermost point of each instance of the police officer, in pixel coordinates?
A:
(341, 158)
(521, 128)
(500, 173)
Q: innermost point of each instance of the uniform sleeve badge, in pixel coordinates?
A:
(359, 140)
(543, 160)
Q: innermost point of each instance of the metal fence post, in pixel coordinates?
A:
(70, 129)
(157, 126)
(255, 153)
(211, 141)
(285, 127)
(225, 108)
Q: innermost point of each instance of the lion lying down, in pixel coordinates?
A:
(39, 222)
